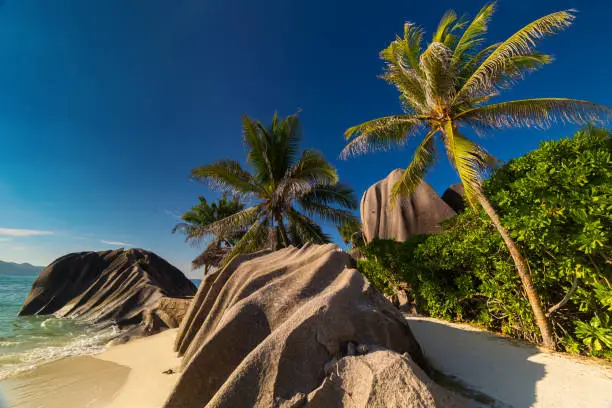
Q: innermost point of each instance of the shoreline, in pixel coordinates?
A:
(125, 375)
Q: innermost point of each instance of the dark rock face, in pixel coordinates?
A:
(276, 329)
(453, 196)
(421, 213)
(118, 286)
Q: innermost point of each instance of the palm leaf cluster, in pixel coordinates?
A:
(448, 84)
(204, 214)
(291, 191)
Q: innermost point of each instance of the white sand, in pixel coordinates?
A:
(514, 373)
(125, 376)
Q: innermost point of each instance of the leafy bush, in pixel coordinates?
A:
(557, 203)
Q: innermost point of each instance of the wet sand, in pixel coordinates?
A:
(127, 375)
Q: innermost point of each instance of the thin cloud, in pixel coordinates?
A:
(23, 232)
(2, 239)
(116, 243)
(18, 248)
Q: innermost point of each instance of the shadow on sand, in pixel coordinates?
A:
(485, 363)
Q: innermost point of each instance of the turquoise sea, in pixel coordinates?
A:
(26, 342)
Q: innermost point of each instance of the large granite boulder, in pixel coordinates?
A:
(421, 213)
(124, 287)
(453, 196)
(289, 329)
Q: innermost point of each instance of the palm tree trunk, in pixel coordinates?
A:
(281, 228)
(522, 270)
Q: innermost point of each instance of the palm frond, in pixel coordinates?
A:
(256, 238)
(333, 194)
(444, 26)
(424, 157)
(538, 113)
(473, 36)
(467, 68)
(257, 141)
(211, 256)
(226, 175)
(516, 67)
(304, 230)
(311, 171)
(405, 51)
(410, 85)
(440, 78)
(380, 134)
(402, 67)
(519, 44)
(469, 159)
(238, 221)
(286, 136)
(313, 168)
(332, 215)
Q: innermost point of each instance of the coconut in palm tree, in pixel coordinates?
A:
(447, 87)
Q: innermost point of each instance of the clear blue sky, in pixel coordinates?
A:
(105, 106)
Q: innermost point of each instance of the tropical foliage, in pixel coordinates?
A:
(448, 86)
(351, 233)
(291, 191)
(557, 201)
(204, 214)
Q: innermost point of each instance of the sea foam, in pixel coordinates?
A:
(52, 340)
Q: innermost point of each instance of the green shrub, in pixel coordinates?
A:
(557, 203)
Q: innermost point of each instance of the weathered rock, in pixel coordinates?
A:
(268, 330)
(400, 299)
(380, 378)
(172, 310)
(421, 213)
(453, 196)
(121, 287)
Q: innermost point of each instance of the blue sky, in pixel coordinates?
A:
(105, 106)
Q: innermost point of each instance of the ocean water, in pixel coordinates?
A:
(26, 342)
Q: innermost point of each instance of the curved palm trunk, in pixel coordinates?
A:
(522, 270)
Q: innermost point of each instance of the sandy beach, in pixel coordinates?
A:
(127, 375)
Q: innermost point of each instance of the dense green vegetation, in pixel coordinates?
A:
(447, 87)
(292, 190)
(557, 204)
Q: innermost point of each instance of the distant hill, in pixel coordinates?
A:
(11, 268)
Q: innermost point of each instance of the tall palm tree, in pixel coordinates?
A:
(290, 190)
(204, 214)
(447, 86)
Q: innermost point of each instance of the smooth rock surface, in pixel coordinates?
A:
(380, 378)
(421, 213)
(269, 329)
(121, 287)
(453, 196)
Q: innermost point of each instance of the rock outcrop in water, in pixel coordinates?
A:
(294, 328)
(125, 287)
(421, 213)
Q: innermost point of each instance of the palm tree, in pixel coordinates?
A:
(204, 214)
(289, 189)
(351, 233)
(446, 86)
